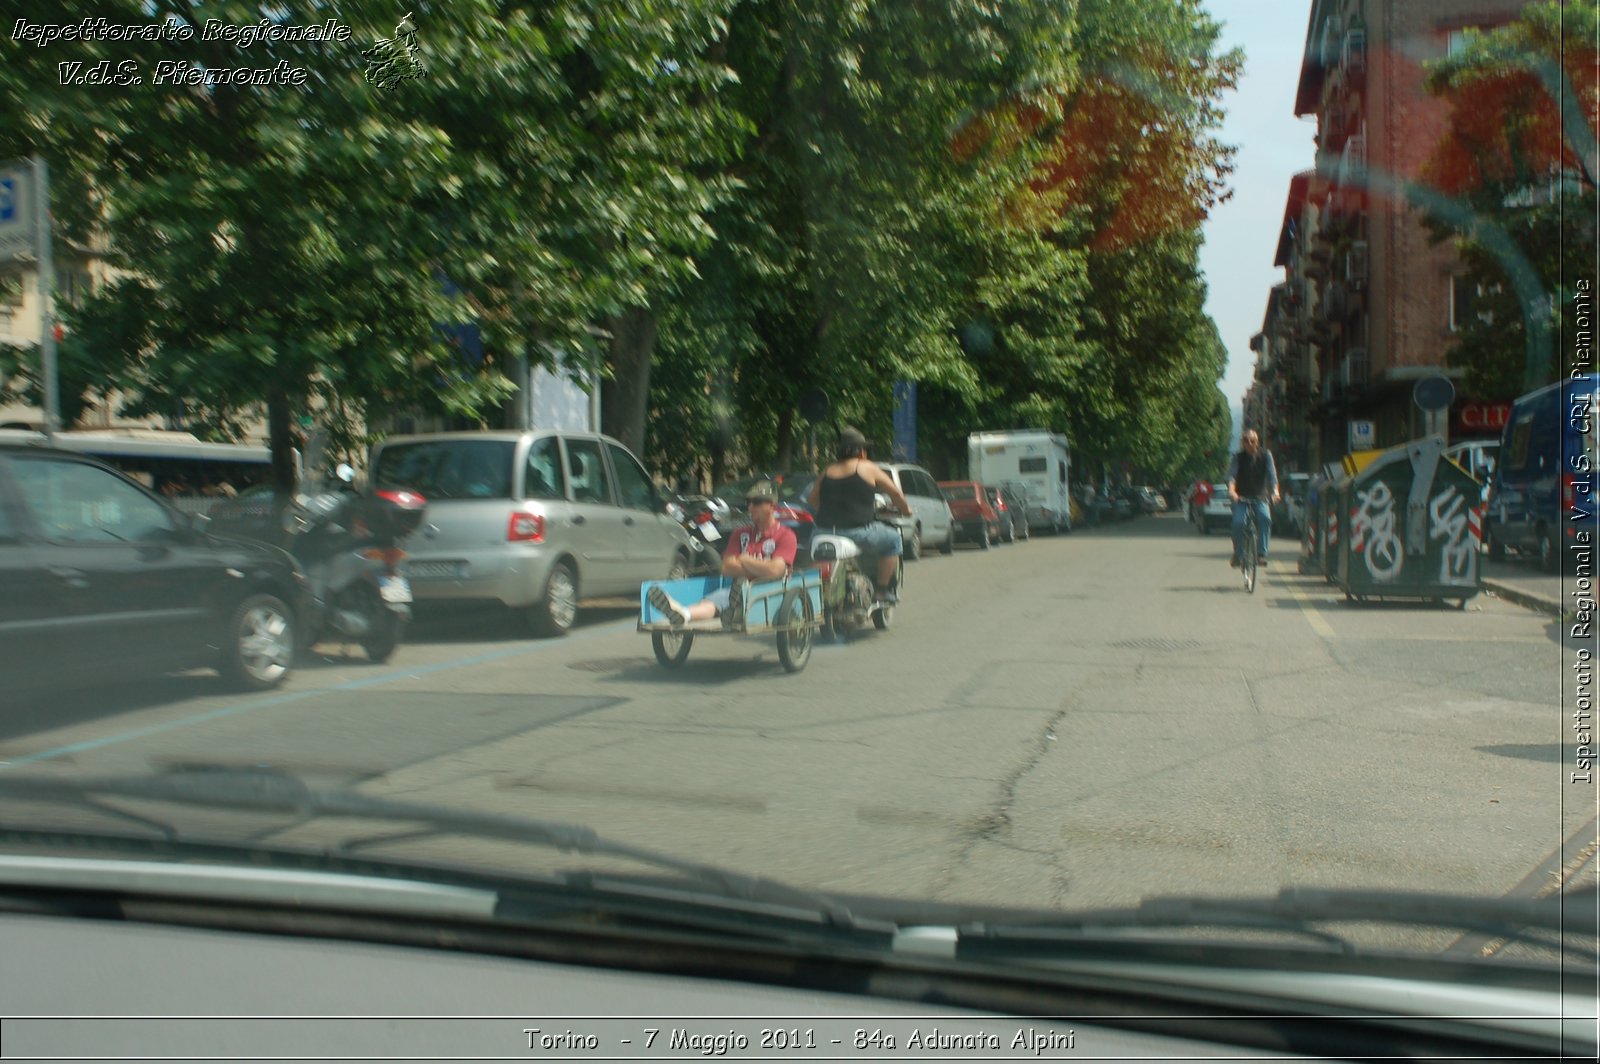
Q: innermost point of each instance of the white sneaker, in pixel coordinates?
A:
(676, 615)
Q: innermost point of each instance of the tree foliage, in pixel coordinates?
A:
(746, 200)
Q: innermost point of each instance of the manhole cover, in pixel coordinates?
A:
(607, 664)
(1159, 644)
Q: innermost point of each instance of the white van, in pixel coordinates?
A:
(1034, 462)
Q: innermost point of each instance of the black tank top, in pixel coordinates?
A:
(846, 502)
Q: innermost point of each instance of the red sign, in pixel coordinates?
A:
(1482, 419)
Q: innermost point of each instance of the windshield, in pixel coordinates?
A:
(535, 269)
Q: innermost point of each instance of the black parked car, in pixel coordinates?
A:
(100, 578)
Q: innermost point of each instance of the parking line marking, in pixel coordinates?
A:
(1310, 612)
(301, 696)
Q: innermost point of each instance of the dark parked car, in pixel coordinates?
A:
(1009, 503)
(104, 579)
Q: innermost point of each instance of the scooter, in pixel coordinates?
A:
(349, 548)
(704, 519)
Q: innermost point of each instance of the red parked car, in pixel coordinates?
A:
(976, 519)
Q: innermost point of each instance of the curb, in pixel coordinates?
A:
(1537, 603)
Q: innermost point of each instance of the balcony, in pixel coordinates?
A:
(1353, 56)
(1357, 265)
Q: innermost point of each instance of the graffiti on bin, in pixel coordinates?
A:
(1372, 532)
(1460, 526)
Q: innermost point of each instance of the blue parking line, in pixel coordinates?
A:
(300, 696)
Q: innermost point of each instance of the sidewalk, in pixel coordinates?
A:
(1520, 580)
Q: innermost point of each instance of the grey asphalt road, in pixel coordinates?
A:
(1074, 721)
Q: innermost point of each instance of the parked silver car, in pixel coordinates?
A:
(533, 520)
(930, 521)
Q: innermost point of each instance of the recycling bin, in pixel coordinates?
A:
(1408, 525)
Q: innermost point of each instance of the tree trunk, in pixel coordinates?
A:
(627, 394)
(785, 440)
(283, 443)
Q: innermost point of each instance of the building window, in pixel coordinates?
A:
(1468, 302)
(1457, 41)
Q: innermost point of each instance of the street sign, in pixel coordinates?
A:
(17, 230)
(1363, 435)
(1433, 393)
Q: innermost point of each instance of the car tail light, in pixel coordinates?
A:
(525, 528)
(805, 517)
(704, 517)
(390, 556)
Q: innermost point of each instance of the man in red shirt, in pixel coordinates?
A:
(761, 550)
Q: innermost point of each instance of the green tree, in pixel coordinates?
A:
(301, 245)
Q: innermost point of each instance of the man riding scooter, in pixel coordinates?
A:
(845, 502)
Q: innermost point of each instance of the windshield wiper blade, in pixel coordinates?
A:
(265, 790)
(1300, 910)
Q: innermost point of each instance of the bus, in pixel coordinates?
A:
(189, 473)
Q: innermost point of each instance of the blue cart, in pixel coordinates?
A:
(790, 609)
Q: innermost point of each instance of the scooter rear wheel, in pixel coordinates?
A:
(384, 628)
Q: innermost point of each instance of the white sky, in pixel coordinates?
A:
(1242, 235)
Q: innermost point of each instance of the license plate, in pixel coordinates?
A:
(710, 533)
(394, 589)
(437, 570)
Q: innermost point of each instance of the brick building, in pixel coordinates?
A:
(1368, 304)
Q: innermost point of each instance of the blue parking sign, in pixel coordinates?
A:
(8, 199)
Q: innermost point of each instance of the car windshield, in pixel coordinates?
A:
(535, 270)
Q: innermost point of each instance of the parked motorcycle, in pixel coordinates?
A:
(348, 545)
(849, 595)
(706, 520)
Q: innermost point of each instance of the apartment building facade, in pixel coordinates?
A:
(1368, 305)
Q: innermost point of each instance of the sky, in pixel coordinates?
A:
(1241, 237)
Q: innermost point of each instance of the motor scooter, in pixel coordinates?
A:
(348, 546)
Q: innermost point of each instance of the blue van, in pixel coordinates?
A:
(1544, 479)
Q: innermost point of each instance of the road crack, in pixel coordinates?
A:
(995, 824)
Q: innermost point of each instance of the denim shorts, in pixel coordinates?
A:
(875, 538)
(719, 598)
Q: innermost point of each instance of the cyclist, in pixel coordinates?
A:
(1252, 481)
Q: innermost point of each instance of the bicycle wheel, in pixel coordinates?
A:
(1251, 550)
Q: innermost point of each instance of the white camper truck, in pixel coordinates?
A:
(1038, 463)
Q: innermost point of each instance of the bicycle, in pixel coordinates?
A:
(1249, 554)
